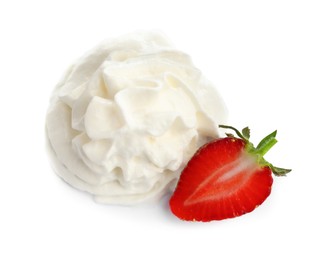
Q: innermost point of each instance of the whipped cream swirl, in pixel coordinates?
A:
(128, 116)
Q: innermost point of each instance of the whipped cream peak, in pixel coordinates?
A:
(128, 116)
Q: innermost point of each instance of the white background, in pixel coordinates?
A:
(269, 61)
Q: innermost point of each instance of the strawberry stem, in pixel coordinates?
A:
(266, 143)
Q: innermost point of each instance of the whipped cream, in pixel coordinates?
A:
(127, 117)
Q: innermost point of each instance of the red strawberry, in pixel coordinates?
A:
(226, 178)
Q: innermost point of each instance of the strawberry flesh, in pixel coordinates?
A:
(221, 181)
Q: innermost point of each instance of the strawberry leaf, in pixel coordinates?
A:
(262, 148)
(246, 133)
(279, 171)
(236, 131)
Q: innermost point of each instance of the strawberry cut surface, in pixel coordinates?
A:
(221, 181)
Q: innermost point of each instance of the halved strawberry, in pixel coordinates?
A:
(226, 178)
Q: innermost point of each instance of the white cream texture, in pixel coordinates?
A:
(128, 116)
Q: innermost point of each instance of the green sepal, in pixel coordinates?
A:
(233, 128)
(279, 171)
(276, 170)
(262, 148)
(246, 133)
